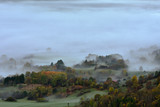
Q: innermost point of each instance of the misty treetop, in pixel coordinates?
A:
(113, 61)
(58, 66)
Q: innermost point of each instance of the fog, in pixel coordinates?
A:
(144, 59)
(71, 29)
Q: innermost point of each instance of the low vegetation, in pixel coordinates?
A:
(11, 99)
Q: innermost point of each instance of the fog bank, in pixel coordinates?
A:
(73, 29)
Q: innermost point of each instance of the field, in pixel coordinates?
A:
(53, 101)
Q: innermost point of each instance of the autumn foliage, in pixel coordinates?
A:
(52, 73)
(47, 78)
(142, 92)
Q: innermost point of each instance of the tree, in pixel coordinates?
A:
(27, 66)
(40, 92)
(141, 79)
(157, 74)
(134, 79)
(51, 63)
(124, 72)
(135, 82)
(97, 97)
(70, 72)
(158, 80)
(149, 85)
(27, 74)
(60, 65)
(129, 83)
(21, 78)
(28, 80)
(140, 68)
(15, 79)
(111, 90)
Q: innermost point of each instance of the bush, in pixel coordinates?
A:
(61, 95)
(39, 92)
(20, 86)
(11, 99)
(19, 94)
(82, 93)
(41, 100)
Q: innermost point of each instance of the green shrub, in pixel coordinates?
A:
(20, 94)
(41, 100)
(11, 99)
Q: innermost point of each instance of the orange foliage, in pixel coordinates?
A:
(51, 72)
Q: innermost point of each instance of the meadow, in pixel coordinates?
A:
(53, 101)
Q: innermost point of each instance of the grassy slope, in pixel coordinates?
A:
(8, 89)
(53, 102)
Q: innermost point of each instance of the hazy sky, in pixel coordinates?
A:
(73, 29)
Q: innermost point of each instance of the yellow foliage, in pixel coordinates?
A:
(116, 91)
(52, 72)
(158, 86)
(134, 79)
(135, 82)
(124, 72)
(124, 105)
(111, 89)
